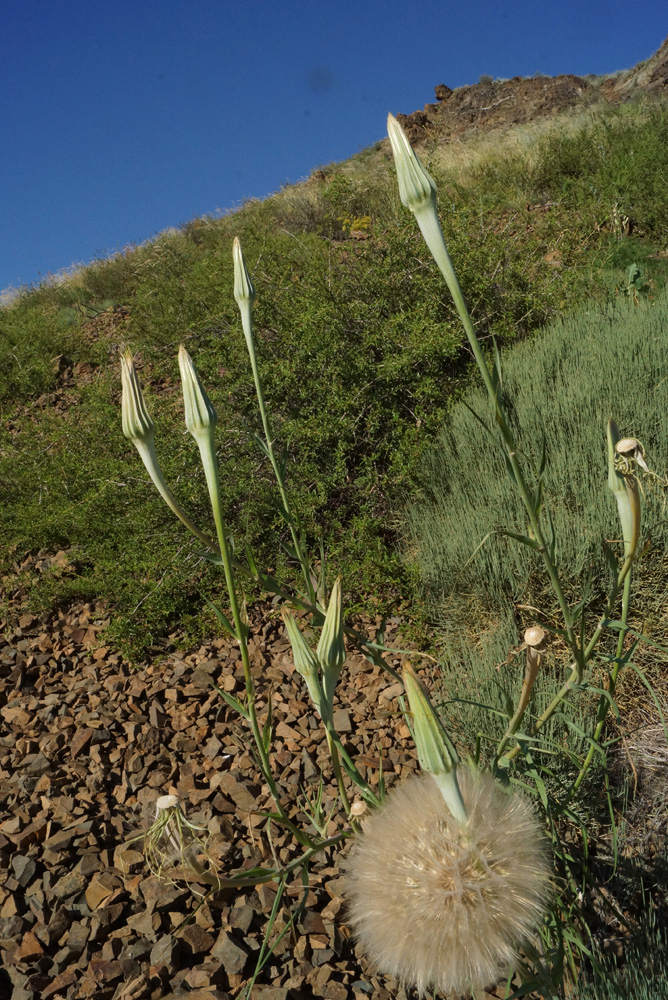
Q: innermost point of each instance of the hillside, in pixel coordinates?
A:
(491, 104)
(553, 187)
(119, 683)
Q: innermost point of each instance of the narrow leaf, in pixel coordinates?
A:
(523, 539)
(223, 619)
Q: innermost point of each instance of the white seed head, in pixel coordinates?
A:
(627, 446)
(441, 906)
(166, 802)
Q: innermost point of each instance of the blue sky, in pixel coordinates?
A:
(123, 118)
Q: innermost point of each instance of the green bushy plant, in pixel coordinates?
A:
(373, 304)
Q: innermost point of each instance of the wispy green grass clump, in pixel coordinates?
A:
(640, 971)
(563, 385)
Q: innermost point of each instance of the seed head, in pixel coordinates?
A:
(631, 448)
(535, 636)
(440, 905)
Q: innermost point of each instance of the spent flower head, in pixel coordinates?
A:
(440, 905)
(173, 847)
(626, 492)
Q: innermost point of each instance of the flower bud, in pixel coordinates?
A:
(243, 286)
(138, 428)
(305, 660)
(137, 423)
(201, 417)
(416, 187)
(331, 651)
(435, 752)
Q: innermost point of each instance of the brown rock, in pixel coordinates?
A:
(163, 953)
(196, 939)
(80, 740)
(69, 885)
(230, 952)
(30, 947)
(60, 983)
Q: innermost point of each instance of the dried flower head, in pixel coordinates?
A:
(443, 906)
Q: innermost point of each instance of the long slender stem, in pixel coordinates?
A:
(336, 765)
(604, 703)
(246, 322)
(352, 767)
(211, 473)
(242, 882)
(427, 220)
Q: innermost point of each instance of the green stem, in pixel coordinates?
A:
(211, 472)
(241, 882)
(147, 455)
(604, 703)
(246, 322)
(336, 765)
(427, 219)
(576, 675)
(355, 775)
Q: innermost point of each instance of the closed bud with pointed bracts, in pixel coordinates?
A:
(331, 651)
(416, 188)
(138, 428)
(435, 752)
(305, 660)
(243, 286)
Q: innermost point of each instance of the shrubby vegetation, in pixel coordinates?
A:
(359, 348)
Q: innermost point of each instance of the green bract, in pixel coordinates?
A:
(416, 188)
(435, 752)
(305, 660)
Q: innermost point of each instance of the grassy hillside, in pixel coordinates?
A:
(359, 348)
